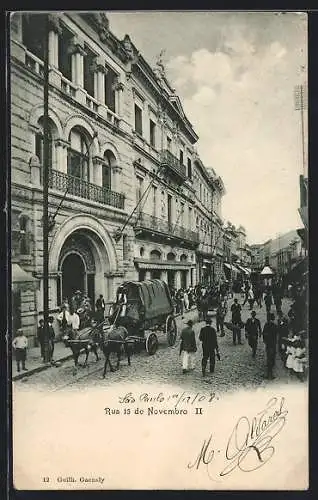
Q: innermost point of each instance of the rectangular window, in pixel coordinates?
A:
(181, 157)
(64, 53)
(139, 190)
(33, 31)
(110, 93)
(190, 218)
(152, 126)
(125, 247)
(138, 119)
(154, 197)
(168, 144)
(181, 214)
(189, 168)
(88, 73)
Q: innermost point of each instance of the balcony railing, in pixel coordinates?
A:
(146, 221)
(83, 189)
(169, 160)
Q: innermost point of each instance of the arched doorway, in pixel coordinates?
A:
(73, 275)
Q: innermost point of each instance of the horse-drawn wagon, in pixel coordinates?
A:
(144, 308)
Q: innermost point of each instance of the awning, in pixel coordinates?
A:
(163, 265)
(241, 268)
(230, 267)
(21, 280)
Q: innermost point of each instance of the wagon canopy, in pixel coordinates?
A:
(153, 294)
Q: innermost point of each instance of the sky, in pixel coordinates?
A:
(235, 73)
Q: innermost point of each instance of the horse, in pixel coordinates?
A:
(88, 340)
(116, 342)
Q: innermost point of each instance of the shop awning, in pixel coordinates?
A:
(230, 267)
(22, 280)
(242, 269)
(163, 265)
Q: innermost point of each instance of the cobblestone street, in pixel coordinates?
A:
(236, 369)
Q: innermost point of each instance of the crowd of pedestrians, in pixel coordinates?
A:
(280, 333)
(283, 334)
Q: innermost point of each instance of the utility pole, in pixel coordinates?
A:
(46, 133)
(300, 97)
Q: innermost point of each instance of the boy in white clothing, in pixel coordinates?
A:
(20, 344)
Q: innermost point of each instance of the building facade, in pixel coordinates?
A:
(129, 198)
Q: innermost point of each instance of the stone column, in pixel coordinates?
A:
(98, 170)
(78, 54)
(164, 275)
(99, 69)
(61, 155)
(118, 87)
(116, 177)
(178, 279)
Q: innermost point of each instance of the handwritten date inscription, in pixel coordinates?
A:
(251, 442)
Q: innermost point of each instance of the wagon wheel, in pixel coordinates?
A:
(151, 344)
(171, 330)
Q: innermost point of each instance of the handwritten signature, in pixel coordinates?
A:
(250, 445)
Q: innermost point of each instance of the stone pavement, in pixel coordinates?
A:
(236, 370)
(34, 362)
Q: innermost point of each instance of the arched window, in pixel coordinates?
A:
(171, 256)
(78, 158)
(155, 255)
(142, 251)
(109, 162)
(183, 257)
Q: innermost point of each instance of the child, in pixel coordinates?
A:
(299, 357)
(20, 344)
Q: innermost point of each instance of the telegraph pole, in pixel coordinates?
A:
(300, 105)
(45, 219)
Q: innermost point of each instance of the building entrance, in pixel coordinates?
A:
(73, 275)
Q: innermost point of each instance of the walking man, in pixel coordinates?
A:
(188, 347)
(209, 346)
(220, 315)
(268, 302)
(282, 332)
(236, 321)
(270, 341)
(253, 331)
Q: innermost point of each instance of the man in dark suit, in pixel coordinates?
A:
(209, 346)
(236, 321)
(253, 330)
(270, 341)
(100, 309)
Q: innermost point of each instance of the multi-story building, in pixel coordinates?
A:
(281, 253)
(123, 198)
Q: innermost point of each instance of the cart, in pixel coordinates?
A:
(144, 308)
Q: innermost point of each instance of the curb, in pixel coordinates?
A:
(43, 367)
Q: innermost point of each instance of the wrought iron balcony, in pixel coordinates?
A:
(173, 165)
(161, 226)
(83, 189)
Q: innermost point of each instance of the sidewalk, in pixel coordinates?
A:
(34, 362)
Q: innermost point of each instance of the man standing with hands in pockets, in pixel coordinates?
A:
(209, 346)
